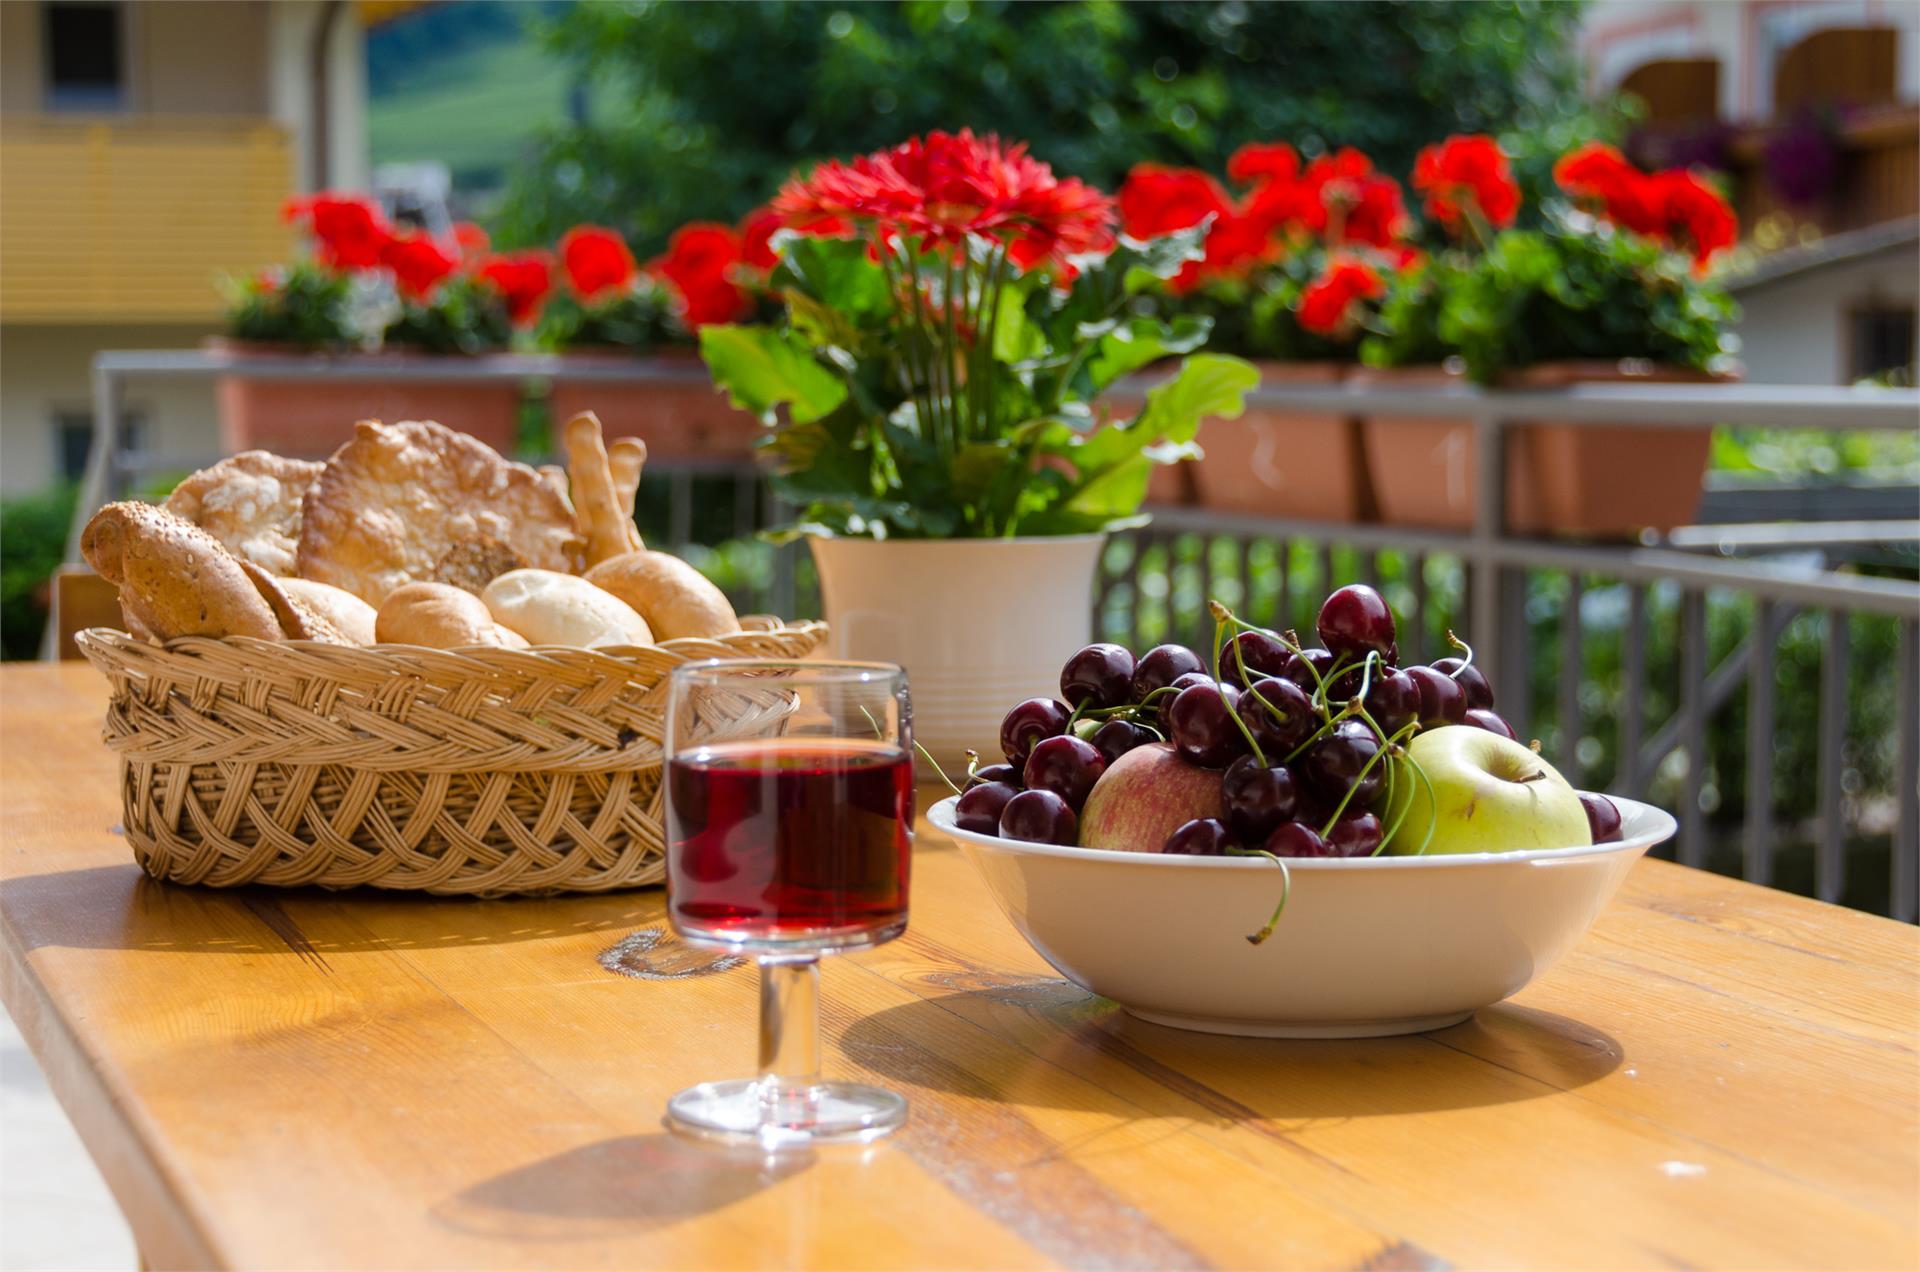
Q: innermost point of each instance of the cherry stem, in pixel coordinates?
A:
(1366, 768)
(974, 756)
(1286, 890)
(1466, 662)
(1222, 619)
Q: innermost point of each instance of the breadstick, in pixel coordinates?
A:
(557, 478)
(594, 501)
(626, 457)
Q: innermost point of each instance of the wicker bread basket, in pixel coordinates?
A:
(481, 772)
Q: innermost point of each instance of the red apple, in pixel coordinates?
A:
(1146, 795)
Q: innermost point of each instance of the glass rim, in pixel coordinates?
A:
(843, 671)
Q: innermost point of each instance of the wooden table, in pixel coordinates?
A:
(1720, 1075)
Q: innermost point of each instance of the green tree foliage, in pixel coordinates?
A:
(719, 102)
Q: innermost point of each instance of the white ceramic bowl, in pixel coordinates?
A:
(1380, 945)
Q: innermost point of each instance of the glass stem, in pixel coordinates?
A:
(789, 1034)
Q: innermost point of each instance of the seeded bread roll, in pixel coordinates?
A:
(675, 599)
(175, 579)
(550, 608)
(440, 616)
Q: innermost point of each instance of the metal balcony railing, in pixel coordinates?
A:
(1683, 670)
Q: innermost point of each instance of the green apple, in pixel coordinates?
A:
(1489, 794)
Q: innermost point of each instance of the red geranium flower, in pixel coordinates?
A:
(471, 239)
(1258, 162)
(523, 279)
(1695, 214)
(699, 262)
(350, 230)
(1348, 202)
(1463, 171)
(418, 264)
(1327, 302)
(1157, 200)
(1599, 174)
(756, 239)
(946, 187)
(597, 261)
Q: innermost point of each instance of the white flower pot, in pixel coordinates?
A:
(979, 624)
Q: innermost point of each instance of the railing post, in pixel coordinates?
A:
(1830, 849)
(1906, 779)
(1692, 846)
(1489, 516)
(1759, 813)
(1633, 685)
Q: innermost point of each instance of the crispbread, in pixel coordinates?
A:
(394, 502)
(251, 503)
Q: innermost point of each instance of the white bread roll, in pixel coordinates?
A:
(675, 599)
(550, 608)
(440, 616)
(353, 616)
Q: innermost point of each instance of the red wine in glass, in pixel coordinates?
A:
(790, 839)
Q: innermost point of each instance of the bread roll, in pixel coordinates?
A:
(675, 599)
(439, 616)
(298, 620)
(175, 579)
(352, 616)
(550, 608)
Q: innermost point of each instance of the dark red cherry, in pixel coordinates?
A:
(1300, 668)
(980, 807)
(1393, 700)
(1280, 715)
(1099, 676)
(1335, 763)
(995, 773)
(1487, 720)
(1603, 818)
(1028, 723)
(1188, 679)
(1039, 817)
(1251, 656)
(1201, 726)
(1161, 666)
(1355, 620)
(1066, 766)
(1116, 737)
(1202, 837)
(1355, 835)
(1293, 839)
(1441, 700)
(1258, 798)
(1472, 682)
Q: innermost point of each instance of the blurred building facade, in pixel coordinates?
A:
(146, 149)
(1812, 107)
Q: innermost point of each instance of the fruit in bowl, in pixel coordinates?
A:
(1146, 823)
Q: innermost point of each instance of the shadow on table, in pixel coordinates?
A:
(1040, 1041)
(121, 908)
(633, 1181)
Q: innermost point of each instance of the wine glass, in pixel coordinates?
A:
(789, 806)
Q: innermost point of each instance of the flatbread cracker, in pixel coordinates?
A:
(250, 502)
(394, 503)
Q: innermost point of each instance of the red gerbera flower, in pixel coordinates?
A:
(597, 261)
(1695, 214)
(523, 280)
(1467, 171)
(699, 263)
(349, 230)
(947, 187)
(418, 264)
(756, 239)
(1326, 304)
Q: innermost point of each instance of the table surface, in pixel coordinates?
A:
(1719, 1075)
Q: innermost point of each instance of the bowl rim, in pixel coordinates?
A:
(1651, 826)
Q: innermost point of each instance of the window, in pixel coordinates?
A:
(73, 438)
(86, 56)
(1881, 341)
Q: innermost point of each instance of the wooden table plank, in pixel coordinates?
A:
(1720, 1075)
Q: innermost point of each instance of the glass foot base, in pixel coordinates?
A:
(747, 1112)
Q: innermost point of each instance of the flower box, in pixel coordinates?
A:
(680, 415)
(1282, 462)
(1594, 481)
(309, 416)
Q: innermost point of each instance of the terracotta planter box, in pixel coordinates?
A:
(1595, 481)
(309, 418)
(678, 418)
(1272, 462)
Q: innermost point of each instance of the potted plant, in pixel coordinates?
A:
(367, 285)
(952, 313)
(1611, 288)
(611, 311)
(1292, 269)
